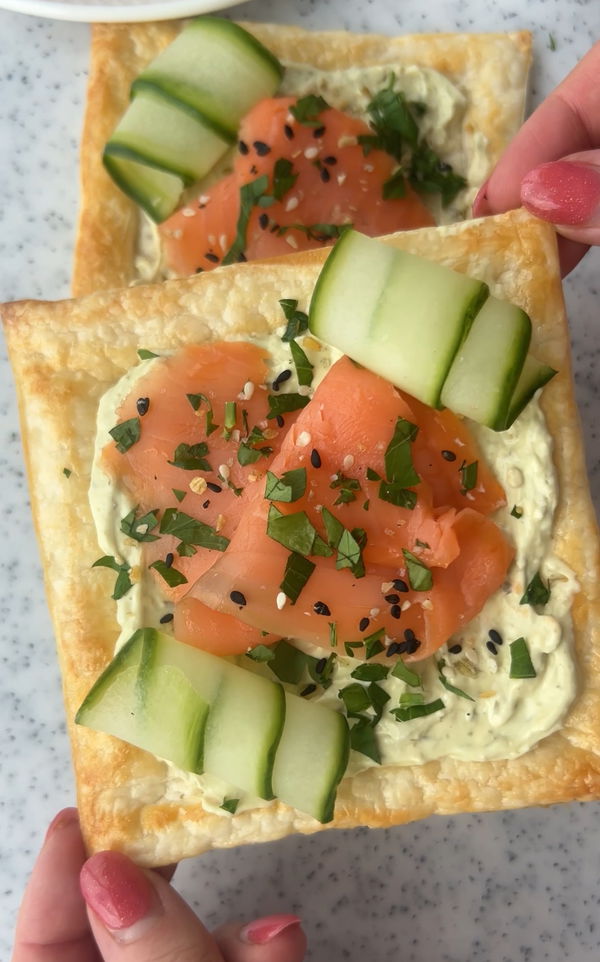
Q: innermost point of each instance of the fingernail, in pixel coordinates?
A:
(480, 205)
(563, 192)
(265, 930)
(120, 895)
(65, 818)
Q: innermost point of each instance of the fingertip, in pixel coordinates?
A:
(277, 938)
(66, 818)
(481, 206)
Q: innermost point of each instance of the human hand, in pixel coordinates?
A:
(552, 166)
(131, 915)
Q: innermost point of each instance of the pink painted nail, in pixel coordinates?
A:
(65, 818)
(563, 192)
(265, 930)
(481, 208)
(120, 895)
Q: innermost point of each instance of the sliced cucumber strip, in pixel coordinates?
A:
(311, 758)
(156, 132)
(533, 376)
(156, 191)
(486, 369)
(217, 69)
(243, 731)
(400, 315)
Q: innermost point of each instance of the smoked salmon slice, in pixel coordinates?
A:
(318, 179)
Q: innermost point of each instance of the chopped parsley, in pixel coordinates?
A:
(123, 582)
(171, 575)
(468, 476)
(180, 495)
(289, 487)
(295, 532)
(419, 575)
(139, 528)
(196, 401)
(284, 403)
(516, 511)
(67, 472)
(355, 698)
(297, 572)
(251, 195)
(307, 110)
(230, 805)
(374, 672)
(304, 369)
(126, 434)
(401, 671)
(364, 740)
(262, 653)
(190, 457)
(410, 711)
(521, 665)
(191, 532)
(347, 488)
(284, 177)
(444, 681)
(297, 320)
(349, 544)
(145, 355)
(536, 593)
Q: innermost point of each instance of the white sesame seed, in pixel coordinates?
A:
(460, 443)
(292, 203)
(198, 485)
(224, 471)
(341, 178)
(405, 605)
(203, 199)
(386, 586)
(223, 242)
(348, 462)
(333, 477)
(311, 152)
(219, 522)
(347, 141)
(369, 168)
(253, 476)
(291, 240)
(235, 435)
(281, 600)
(289, 118)
(427, 604)
(303, 439)
(247, 391)
(188, 212)
(374, 612)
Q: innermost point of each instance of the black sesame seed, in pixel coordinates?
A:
(238, 598)
(363, 624)
(263, 221)
(142, 404)
(289, 133)
(496, 636)
(392, 599)
(320, 666)
(274, 228)
(254, 169)
(169, 559)
(213, 487)
(395, 611)
(448, 455)
(330, 160)
(413, 646)
(491, 647)
(320, 608)
(280, 421)
(308, 690)
(166, 618)
(324, 175)
(211, 257)
(403, 647)
(243, 148)
(455, 649)
(315, 458)
(261, 148)
(281, 378)
(409, 634)
(400, 585)
(318, 132)
(393, 649)
(199, 270)
(206, 503)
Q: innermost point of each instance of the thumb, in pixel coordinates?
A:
(566, 193)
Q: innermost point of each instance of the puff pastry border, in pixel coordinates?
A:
(66, 354)
(490, 69)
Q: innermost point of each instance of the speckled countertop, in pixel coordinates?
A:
(497, 887)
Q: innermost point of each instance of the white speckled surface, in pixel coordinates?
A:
(508, 887)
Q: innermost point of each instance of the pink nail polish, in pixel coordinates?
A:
(481, 208)
(265, 930)
(563, 192)
(117, 891)
(65, 818)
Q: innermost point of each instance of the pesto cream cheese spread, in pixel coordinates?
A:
(351, 90)
(493, 716)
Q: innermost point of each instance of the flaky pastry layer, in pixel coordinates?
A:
(491, 71)
(66, 354)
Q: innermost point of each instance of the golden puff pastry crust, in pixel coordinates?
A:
(66, 354)
(491, 71)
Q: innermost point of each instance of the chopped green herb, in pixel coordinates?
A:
(180, 495)
(392, 121)
(304, 368)
(373, 643)
(401, 671)
(289, 663)
(190, 531)
(145, 355)
(249, 455)
(419, 575)
(123, 582)
(284, 177)
(468, 476)
(318, 232)
(321, 669)
(229, 419)
(349, 647)
(307, 109)
(379, 698)
(67, 472)
(421, 544)
(447, 685)
(190, 457)
(230, 805)
(196, 401)
(374, 672)
(398, 456)
(417, 711)
(297, 572)
(171, 575)
(293, 531)
(126, 434)
(372, 475)
(262, 653)
(363, 739)
(346, 542)
(139, 528)
(186, 550)
(395, 186)
(333, 634)
(355, 697)
(250, 195)
(430, 175)
(297, 320)
(397, 494)
(289, 487)
(521, 665)
(366, 504)
(347, 488)
(517, 512)
(284, 403)
(536, 593)
(409, 698)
